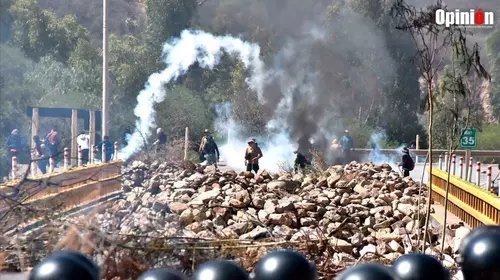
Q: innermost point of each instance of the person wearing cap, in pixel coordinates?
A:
(14, 143)
(407, 163)
(252, 155)
(206, 133)
(161, 141)
(346, 145)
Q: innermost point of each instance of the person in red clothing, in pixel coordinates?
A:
(52, 140)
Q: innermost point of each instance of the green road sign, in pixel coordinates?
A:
(469, 138)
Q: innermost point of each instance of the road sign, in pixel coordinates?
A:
(469, 138)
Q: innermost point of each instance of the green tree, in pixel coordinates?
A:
(6, 20)
(165, 19)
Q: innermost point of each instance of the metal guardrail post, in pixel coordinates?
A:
(51, 164)
(469, 175)
(80, 156)
(478, 174)
(14, 167)
(417, 146)
(103, 151)
(66, 158)
(488, 176)
(441, 162)
(454, 165)
(461, 167)
(115, 155)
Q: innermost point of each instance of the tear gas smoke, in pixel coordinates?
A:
(181, 53)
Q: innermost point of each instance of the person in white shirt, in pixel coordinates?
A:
(83, 141)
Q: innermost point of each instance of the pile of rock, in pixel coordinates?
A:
(358, 208)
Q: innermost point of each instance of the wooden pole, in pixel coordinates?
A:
(186, 144)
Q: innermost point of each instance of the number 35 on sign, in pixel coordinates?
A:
(469, 138)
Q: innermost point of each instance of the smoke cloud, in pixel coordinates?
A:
(324, 73)
(181, 53)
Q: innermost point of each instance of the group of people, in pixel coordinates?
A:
(209, 152)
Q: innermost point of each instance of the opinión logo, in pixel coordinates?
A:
(472, 18)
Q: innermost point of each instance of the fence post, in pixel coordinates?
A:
(80, 156)
(51, 164)
(441, 162)
(94, 151)
(478, 174)
(446, 159)
(186, 144)
(103, 151)
(488, 176)
(469, 175)
(461, 167)
(14, 167)
(34, 167)
(66, 158)
(454, 165)
(115, 155)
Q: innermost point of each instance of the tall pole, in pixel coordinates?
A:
(105, 97)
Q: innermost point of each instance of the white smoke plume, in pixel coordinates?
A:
(275, 145)
(181, 53)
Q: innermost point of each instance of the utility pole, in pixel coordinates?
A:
(105, 80)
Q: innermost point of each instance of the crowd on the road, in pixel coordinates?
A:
(49, 147)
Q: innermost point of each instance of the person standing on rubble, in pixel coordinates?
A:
(161, 142)
(211, 151)
(300, 162)
(206, 134)
(252, 156)
(346, 145)
(407, 163)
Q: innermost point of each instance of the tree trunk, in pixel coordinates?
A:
(429, 196)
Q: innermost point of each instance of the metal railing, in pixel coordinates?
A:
(472, 204)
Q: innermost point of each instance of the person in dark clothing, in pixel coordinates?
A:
(14, 144)
(252, 155)
(211, 151)
(407, 163)
(109, 148)
(126, 133)
(346, 145)
(300, 162)
(161, 142)
(41, 155)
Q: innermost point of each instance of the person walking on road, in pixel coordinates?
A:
(83, 141)
(41, 154)
(346, 145)
(206, 134)
(407, 164)
(252, 156)
(211, 151)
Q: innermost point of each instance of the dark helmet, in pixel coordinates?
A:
(161, 274)
(420, 267)
(474, 233)
(65, 265)
(480, 254)
(284, 265)
(210, 138)
(220, 270)
(368, 271)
